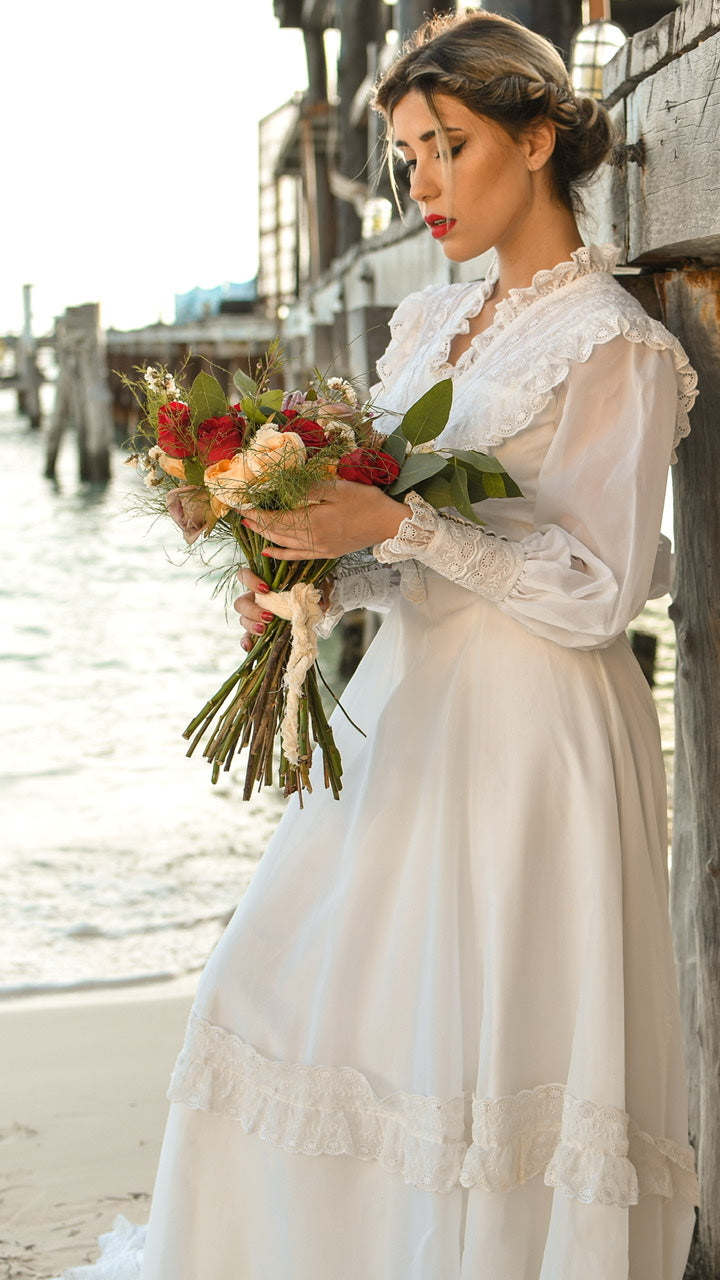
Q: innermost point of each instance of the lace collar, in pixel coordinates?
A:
(585, 261)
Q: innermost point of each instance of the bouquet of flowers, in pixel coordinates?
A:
(211, 459)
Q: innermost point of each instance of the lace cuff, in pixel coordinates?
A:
(453, 547)
(362, 583)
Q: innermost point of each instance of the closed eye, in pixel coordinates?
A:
(407, 167)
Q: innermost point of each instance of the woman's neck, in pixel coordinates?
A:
(538, 249)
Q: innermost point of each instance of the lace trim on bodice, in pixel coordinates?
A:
(584, 261)
(589, 1152)
(512, 368)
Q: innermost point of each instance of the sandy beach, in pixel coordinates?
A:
(82, 1112)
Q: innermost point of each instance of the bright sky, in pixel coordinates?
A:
(129, 145)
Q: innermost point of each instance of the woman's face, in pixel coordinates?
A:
(485, 194)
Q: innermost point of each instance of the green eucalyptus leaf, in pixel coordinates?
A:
(244, 383)
(426, 418)
(460, 495)
(272, 400)
(207, 399)
(416, 468)
(396, 446)
(194, 471)
(480, 461)
(486, 477)
(251, 411)
(437, 491)
(496, 486)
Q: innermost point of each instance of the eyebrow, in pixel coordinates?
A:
(431, 133)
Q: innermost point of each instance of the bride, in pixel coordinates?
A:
(440, 1038)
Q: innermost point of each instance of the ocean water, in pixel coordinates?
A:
(120, 862)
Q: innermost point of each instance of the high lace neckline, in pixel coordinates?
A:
(587, 260)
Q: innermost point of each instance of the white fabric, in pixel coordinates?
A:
(440, 1038)
(456, 548)
(588, 548)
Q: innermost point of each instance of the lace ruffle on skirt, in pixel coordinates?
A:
(121, 1254)
(589, 1152)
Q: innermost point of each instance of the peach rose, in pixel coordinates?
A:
(227, 480)
(171, 466)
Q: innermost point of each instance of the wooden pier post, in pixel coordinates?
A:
(28, 374)
(692, 306)
(82, 399)
(659, 202)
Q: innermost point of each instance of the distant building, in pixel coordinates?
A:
(223, 299)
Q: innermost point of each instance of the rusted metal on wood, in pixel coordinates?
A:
(690, 301)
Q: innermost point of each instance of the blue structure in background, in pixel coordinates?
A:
(223, 299)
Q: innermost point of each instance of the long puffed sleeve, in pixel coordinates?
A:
(584, 570)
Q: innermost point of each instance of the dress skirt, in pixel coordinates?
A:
(440, 1038)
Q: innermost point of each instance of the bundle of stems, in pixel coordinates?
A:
(245, 712)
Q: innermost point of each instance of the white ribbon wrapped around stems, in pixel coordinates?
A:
(301, 607)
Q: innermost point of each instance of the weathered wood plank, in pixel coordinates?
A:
(605, 198)
(691, 304)
(674, 194)
(675, 34)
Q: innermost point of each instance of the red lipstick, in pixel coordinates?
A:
(439, 227)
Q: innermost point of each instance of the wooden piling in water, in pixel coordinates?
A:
(28, 374)
(82, 399)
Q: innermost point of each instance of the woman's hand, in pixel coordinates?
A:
(343, 517)
(249, 605)
(252, 615)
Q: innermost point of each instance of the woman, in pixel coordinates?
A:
(455, 988)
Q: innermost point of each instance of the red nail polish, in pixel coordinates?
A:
(267, 616)
(262, 586)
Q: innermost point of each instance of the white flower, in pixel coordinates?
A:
(341, 432)
(161, 382)
(347, 392)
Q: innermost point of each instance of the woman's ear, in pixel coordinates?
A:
(539, 143)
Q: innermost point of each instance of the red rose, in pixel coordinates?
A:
(312, 436)
(220, 438)
(368, 466)
(175, 430)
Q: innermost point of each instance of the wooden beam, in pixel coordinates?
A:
(661, 200)
(691, 307)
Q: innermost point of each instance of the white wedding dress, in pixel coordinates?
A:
(440, 1038)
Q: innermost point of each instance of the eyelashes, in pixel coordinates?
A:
(406, 168)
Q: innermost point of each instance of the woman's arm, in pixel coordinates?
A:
(584, 571)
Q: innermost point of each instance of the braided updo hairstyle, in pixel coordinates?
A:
(500, 70)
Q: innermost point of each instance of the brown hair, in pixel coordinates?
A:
(499, 69)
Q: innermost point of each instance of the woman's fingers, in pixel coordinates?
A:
(252, 615)
(251, 581)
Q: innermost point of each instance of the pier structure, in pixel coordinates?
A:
(221, 343)
(19, 367)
